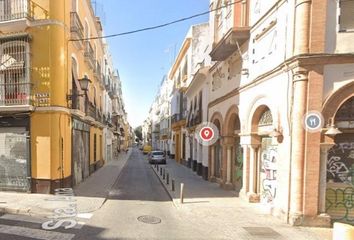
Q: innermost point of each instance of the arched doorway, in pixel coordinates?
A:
(217, 156)
(264, 155)
(215, 151)
(340, 167)
(234, 153)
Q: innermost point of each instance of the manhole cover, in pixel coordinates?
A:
(149, 219)
(262, 231)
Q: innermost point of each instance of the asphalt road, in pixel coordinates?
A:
(136, 193)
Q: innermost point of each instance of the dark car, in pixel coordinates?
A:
(157, 157)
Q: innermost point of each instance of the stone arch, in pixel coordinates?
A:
(217, 119)
(230, 118)
(75, 64)
(233, 155)
(336, 99)
(215, 150)
(255, 111)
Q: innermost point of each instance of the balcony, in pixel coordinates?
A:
(97, 72)
(17, 15)
(14, 93)
(229, 43)
(76, 29)
(178, 118)
(107, 83)
(89, 55)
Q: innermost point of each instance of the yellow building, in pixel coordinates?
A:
(50, 129)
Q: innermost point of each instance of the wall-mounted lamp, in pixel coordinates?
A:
(332, 130)
(84, 83)
(276, 134)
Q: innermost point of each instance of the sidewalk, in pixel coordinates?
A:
(90, 195)
(221, 212)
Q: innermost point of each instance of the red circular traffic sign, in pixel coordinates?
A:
(206, 133)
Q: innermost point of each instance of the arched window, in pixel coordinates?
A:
(346, 111)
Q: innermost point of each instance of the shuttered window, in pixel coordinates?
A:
(346, 18)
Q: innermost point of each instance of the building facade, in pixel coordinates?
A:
(46, 108)
(273, 63)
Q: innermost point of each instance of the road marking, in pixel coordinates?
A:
(84, 215)
(31, 219)
(22, 218)
(35, 233)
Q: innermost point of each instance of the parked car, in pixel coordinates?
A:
(147, 149)
(157, 157)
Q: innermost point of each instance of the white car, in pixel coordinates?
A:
(157, 157)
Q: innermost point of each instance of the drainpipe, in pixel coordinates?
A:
(300, 85)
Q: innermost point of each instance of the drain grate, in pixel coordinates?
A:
(149, 219)
(262, 231)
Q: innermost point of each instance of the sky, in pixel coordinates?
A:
(142, 59)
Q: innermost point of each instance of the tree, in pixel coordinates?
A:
(138, 133)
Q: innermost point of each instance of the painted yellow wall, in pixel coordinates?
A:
(49, 154)
(51, 74)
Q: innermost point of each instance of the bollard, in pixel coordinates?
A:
(160, 171)
(164, 174)
(181, 196)
(342, 231)
(157, 167)
(167, 178)
(173, 185)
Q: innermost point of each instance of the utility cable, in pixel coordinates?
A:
(157, 26)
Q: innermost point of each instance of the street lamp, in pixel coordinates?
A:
(84, 83)
(332, 131)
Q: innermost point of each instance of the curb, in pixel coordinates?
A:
(27, 211)
(173, 195)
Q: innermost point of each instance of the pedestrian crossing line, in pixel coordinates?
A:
(35, 233)
(25, 218)
(35, 220)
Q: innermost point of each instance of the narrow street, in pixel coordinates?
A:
(138, 192)
(139, 207)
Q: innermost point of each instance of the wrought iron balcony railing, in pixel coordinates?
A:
(76, 27)
(98, 72)
(89, 55)
(15, 93)
(11, 10)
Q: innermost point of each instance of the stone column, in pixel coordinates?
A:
(228, 169)
(300, 83)
(253, 168)
(302, 26)
(252, 194)
(212, 165)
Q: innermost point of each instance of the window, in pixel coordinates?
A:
(346, 17)
(265, 44)
(14, 72)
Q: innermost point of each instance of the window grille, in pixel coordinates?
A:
(14, 72)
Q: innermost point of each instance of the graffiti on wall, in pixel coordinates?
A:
(340, 182)
(340, 163)
(340, 204)
(268, 174)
